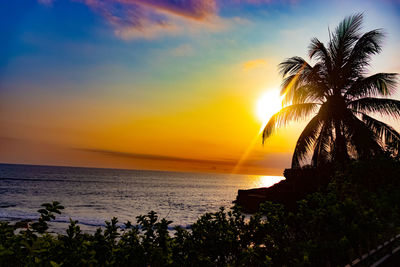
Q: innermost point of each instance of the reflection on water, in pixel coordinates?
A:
(265, 181)
(92, 196)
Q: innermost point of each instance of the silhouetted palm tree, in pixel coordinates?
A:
(340, 96)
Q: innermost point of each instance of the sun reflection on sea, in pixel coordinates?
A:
(265, 181)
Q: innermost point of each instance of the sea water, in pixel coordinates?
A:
(93, 195)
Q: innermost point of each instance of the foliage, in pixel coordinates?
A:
(340, 97)
(359, 209)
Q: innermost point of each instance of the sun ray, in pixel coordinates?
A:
(268, 104)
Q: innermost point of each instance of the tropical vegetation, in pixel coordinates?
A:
(341, 97)
(358, 211)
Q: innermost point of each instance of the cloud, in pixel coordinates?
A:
(194, 9)
(138, 156)
(163, 162)
(253, 64)
(150, 19)
(258, 2)
(151, 31)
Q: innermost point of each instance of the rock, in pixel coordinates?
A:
(298, 183)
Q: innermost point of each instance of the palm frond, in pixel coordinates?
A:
(317, 50)
(310, 76)
(345, 35)
(322, 146)
(385, 132)
(360, 137)
(306, 140)
(382, 106)
(293, 112)
(368, 44)
(379, 84)
(306, 93)
(289, 85)
(293, 66)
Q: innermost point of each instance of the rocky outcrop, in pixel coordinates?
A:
(298, 183)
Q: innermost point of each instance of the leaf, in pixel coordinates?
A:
(55, 264)
(44, 211)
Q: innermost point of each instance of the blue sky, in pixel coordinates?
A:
(158, 77)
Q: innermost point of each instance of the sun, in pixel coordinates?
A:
(268, 104)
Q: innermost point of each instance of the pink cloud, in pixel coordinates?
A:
(152, 18)
(256, 2)
(194, 9)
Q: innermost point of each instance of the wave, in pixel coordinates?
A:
(92, 223)
(4, 206)
(53, 180)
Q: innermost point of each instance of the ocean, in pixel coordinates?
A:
(93, 195)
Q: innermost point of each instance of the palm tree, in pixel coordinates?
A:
(341, 97)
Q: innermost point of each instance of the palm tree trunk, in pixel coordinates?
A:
(340, 154)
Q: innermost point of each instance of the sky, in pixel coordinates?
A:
(161, 84)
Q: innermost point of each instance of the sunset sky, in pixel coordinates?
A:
(160, 84)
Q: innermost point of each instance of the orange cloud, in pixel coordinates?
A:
(253, 64)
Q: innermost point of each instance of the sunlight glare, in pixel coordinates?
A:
(267, 181)
(268, 104)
